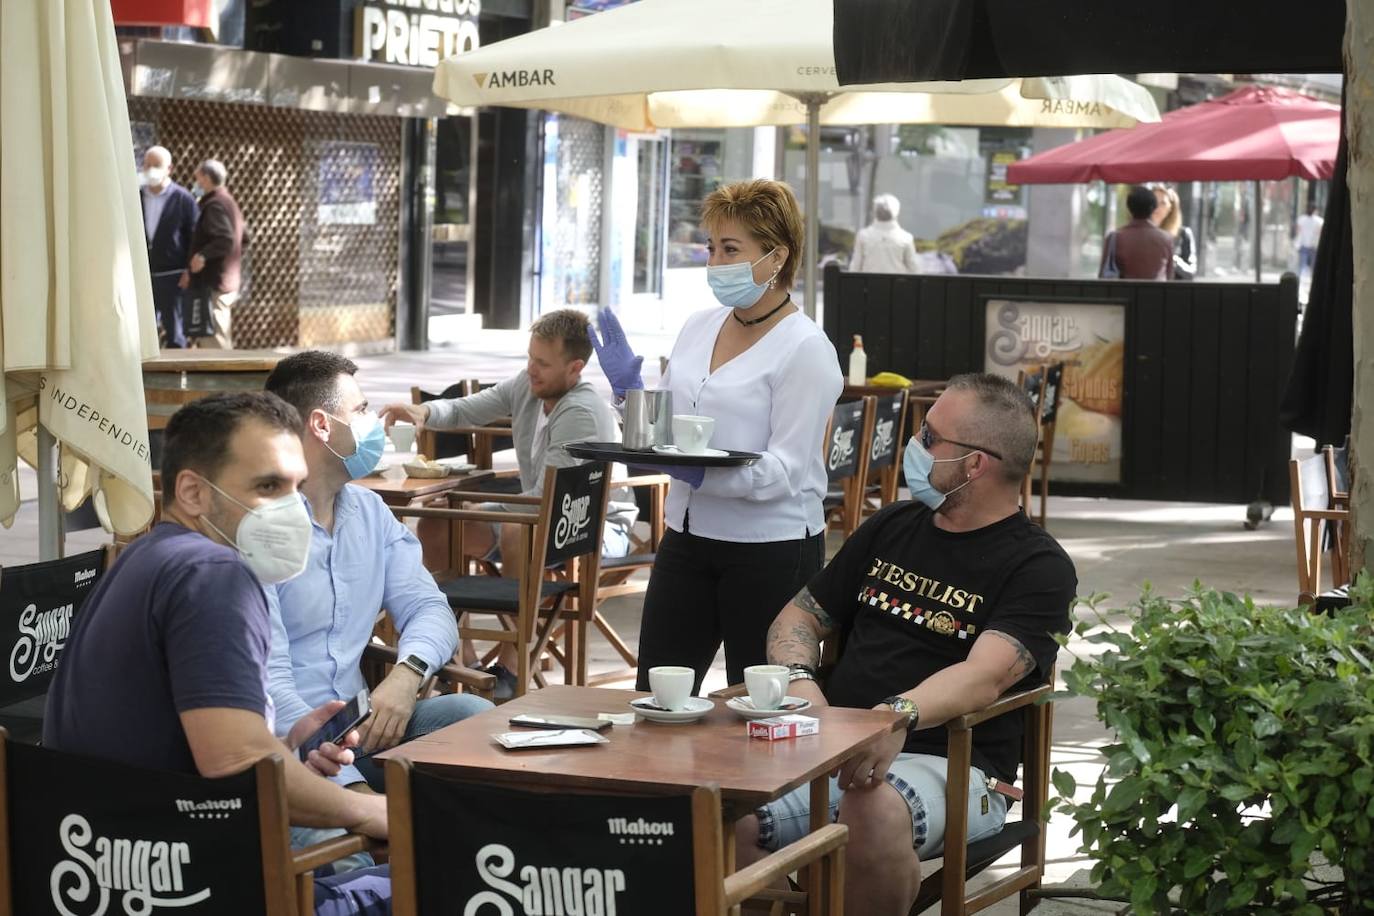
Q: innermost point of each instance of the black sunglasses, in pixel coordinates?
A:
(929, 439)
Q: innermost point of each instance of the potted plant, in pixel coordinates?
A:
(1241, 779)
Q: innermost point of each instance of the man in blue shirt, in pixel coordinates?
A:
(165, 667)
(361, 560)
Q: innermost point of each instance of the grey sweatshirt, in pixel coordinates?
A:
(579, 416)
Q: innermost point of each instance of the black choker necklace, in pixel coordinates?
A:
(762, 318)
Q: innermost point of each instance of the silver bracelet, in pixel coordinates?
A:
(798, 674)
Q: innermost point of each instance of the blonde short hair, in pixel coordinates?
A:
(568, 326)
(768, 211)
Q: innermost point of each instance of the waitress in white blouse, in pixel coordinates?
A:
(741, 542)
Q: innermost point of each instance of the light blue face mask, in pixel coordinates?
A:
(734, 284)
(369, 440)
(917, 464)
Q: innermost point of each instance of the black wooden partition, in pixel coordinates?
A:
(1205, 367)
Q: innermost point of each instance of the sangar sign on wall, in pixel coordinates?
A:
(416, 33)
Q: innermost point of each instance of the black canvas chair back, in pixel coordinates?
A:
(479, 849)
(87, 836)
(447, 445)
(842, 448)
(576, 512)
(1053, 376)
(38, 603)
(887, 420)
(1031, 383)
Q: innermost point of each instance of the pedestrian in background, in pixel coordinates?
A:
(216, 251)
(883, 246)
(1307, 234)
(1168, 216)
(169, 219)
(1139, 250)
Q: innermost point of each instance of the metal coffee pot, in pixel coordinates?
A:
(648, 419)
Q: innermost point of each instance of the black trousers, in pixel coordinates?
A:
(703, 591)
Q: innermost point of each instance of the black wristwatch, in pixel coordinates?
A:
(902, 705)
(799, 672)
(417, 664)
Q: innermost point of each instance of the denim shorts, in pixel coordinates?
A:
(920, 778)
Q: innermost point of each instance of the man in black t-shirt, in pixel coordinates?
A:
(943, 604)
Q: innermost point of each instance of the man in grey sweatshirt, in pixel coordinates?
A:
(550, 406)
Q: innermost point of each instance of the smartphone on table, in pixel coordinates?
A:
(353, 714)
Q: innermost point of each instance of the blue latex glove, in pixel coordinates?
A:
(617, 360)
(688, 475)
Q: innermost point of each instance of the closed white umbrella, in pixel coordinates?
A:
(727, 63)
(76, 310)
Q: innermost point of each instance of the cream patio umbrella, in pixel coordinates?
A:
(76, 312)
(727, 63)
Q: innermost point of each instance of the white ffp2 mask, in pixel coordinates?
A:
(273, 538)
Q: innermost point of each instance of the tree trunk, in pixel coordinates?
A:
(1359, 115)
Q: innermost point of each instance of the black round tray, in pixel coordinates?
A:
(614, 451)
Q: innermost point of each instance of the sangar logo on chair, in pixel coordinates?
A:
(544, 890)
(147, 873)
(41, 638)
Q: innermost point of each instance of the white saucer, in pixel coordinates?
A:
(696, 708)
(743, 706)
(704, 453)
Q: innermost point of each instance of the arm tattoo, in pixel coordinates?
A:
(799, 642)
(807, 602)
(1025, 662)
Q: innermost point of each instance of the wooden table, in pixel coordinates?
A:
(406, 490)
(649, 758)
(178, 377)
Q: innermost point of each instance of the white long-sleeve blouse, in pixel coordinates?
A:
(775, 399)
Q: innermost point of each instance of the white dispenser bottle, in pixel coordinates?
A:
(858, 362)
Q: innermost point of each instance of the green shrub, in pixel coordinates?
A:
(1243, 747)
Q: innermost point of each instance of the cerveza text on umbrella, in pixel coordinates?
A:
(123, 435)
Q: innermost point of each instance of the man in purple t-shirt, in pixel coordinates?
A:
(166, 666)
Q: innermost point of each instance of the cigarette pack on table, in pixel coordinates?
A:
(779, 727)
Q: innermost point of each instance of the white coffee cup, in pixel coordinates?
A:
(692, 434)
(767, 685)
(402, 436)
(672, 685)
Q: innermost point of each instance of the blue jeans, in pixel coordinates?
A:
(1306, 257)
(365, 892)
(920, 778)
(430, 715)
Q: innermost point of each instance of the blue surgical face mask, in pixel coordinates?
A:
(917, 464)
(369, 440)
(734, 284)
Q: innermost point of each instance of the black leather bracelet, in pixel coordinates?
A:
(798, 666)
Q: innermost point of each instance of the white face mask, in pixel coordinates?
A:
(156, 175)
(273, 539)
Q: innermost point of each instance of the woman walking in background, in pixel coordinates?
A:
(1168, 216)
(741, 542)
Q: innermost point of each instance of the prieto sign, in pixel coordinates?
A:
(416, 33)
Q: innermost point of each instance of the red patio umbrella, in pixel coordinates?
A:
(1256, 133)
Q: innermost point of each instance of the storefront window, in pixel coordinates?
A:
(697, 167)
(452, 222)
